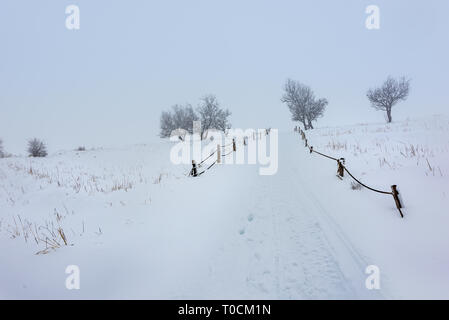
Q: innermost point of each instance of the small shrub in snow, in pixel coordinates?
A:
(36, 148)
(81, 148)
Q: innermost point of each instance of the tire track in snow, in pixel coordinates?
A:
(309, 269)
(289, 244)
(300, 251)
(342, 245)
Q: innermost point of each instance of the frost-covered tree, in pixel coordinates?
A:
(36, 148)
(2, 153)
(167, 124)
(391, 92)
(212, 116)
(183, 117)
(297, 96)
(180, 117)
(315, 110)
(302, 103)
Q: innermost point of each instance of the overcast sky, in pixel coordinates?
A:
(107, 83)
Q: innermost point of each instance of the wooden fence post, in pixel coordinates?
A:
(218, 153)
(340, 167)
(233, 145)
(194, 172)
(395, 194)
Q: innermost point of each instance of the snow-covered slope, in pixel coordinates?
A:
(138, 227)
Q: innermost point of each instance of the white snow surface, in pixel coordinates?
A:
(139, 228)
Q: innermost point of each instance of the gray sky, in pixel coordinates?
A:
(107, 83)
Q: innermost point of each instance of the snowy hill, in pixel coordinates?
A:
(139, 227)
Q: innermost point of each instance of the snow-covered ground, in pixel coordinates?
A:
(138, 227)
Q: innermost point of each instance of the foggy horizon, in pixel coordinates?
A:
(108, 82)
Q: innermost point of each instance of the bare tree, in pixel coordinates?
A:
(36, 148)
(297, 96)
(315, 110)
(302, 103)
(167, 124)
(212, 116)
(391, 92)
(181, 117)
(2, 153)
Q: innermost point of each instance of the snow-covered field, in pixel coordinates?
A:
(138, 227)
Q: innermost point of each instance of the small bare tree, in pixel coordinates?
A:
(391, 92)
(302, 103)
(167, 124)
(297, 96)
(181, 117)
(36, 148)
(212, 116)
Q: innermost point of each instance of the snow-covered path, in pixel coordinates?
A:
(295, 250)
(230, 233)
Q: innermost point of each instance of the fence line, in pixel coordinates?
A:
(207, 158)
(194, 171)
(341, 168)
(372, 189)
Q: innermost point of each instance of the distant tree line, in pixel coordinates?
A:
(36, 148)
(209, 112)
(306, 108)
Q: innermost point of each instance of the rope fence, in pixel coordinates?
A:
(194, 171)
(341, 168)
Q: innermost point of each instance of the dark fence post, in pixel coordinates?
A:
(340, 168)
(233, 145)
(395, 194)
(194, 171)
